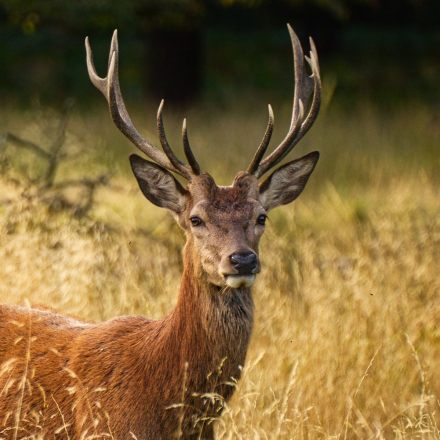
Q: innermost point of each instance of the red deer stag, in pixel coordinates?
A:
(133, 377)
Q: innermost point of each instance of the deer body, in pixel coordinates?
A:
(131, 368)
(132, 377)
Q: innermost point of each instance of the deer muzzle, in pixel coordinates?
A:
(245, 266)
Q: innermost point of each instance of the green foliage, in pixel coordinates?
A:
(183, 14)
(104, 14)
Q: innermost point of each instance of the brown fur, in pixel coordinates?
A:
(63, 378)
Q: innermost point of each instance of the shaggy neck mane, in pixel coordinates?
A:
(206, 336)
(218, 322)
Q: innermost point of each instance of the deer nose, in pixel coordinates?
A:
(244, 262)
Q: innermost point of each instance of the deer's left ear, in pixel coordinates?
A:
(286, 183)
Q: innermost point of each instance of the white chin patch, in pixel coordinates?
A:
(237, 281)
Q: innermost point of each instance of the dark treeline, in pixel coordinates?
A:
(185, 50)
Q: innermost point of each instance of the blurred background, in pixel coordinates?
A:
(387, 51)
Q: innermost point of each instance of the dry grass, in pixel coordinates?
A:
(346, 342)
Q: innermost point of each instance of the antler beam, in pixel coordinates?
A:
(304, 86)
(109, 86)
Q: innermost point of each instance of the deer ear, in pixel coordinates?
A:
(286, 183)
(158, 185)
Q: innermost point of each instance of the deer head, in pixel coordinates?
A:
(223, 225)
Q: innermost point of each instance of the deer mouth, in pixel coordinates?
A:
(237, 281)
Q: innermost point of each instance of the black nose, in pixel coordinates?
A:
(244, 262)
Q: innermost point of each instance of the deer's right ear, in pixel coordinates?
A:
(158, 185)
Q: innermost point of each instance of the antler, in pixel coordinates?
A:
(304, 86)
(109, 86)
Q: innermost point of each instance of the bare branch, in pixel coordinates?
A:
(28, 145)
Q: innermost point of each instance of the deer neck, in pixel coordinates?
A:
(214, 324)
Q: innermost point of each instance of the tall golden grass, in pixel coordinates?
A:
(346, 342)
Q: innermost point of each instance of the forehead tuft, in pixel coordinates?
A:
(239, 198)
(246, 183)
(245, 186)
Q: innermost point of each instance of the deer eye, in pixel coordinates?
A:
(262, 219)
(195, 221)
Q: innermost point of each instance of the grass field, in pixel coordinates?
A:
(346, 342)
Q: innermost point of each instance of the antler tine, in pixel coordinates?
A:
(264, 144)
(99, 83)
(166, 146)
(109, 87)
(316, 103)
(188, 152)
(304, 86)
